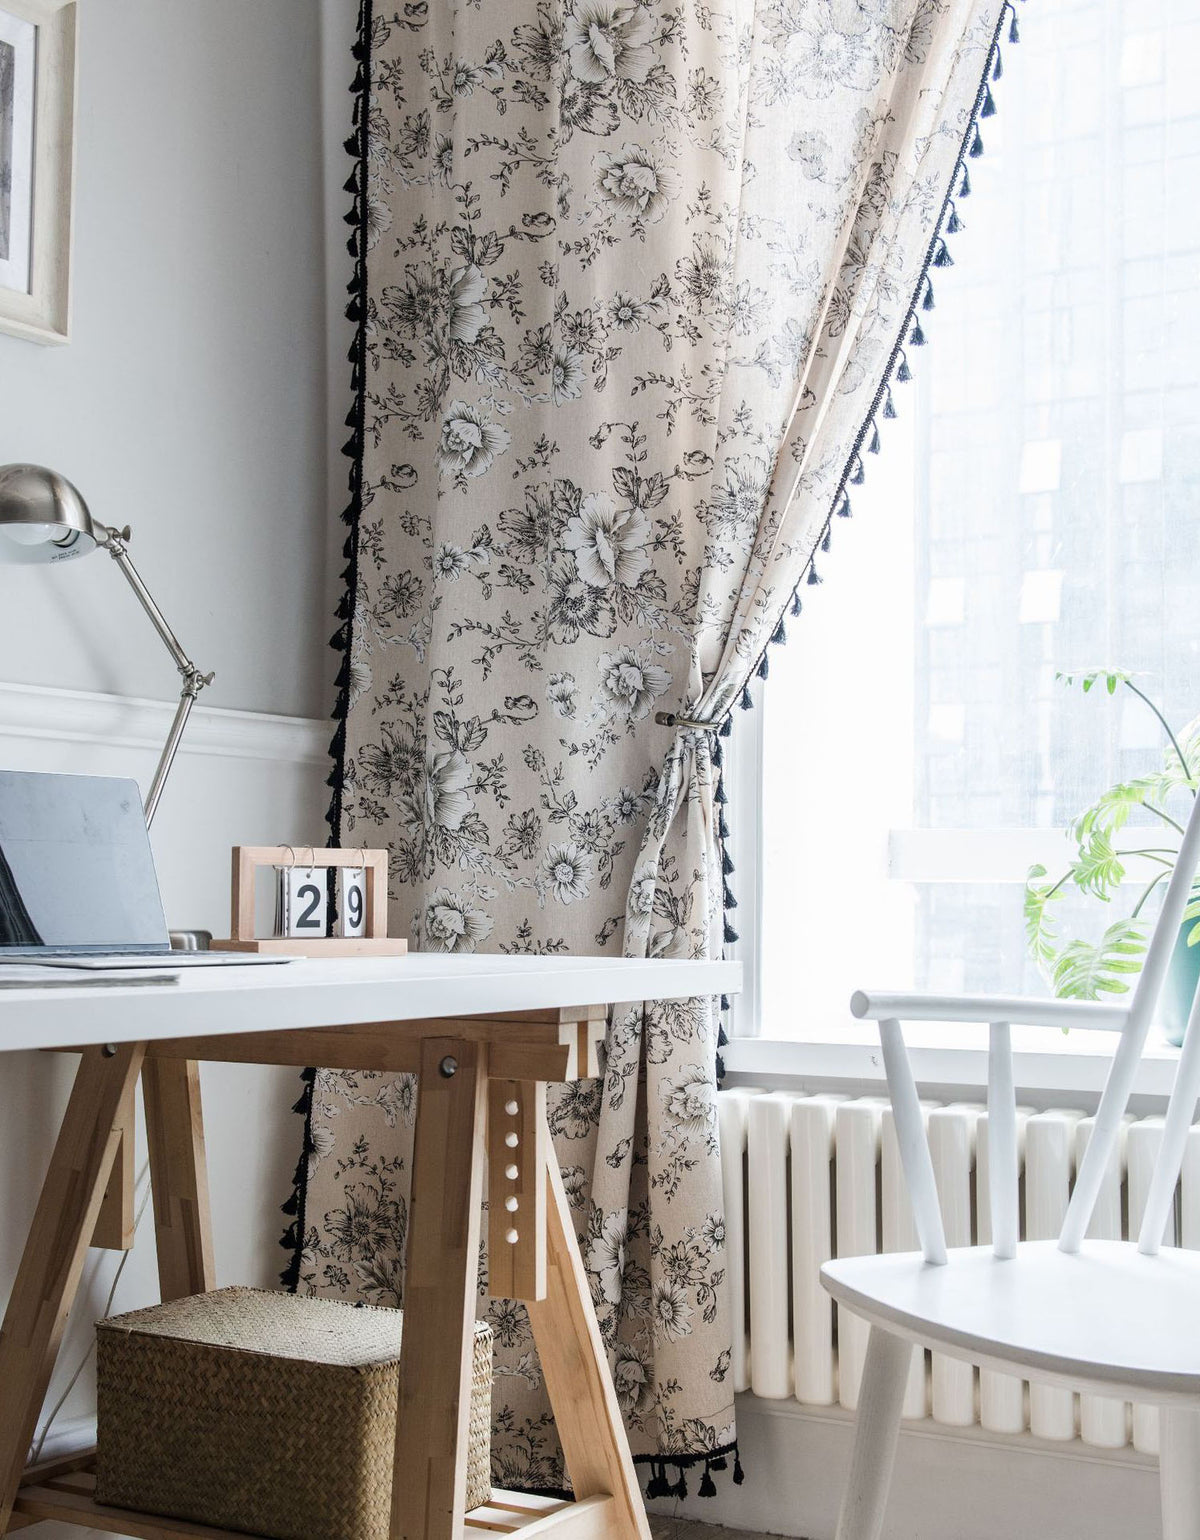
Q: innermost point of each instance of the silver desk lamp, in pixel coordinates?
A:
(43, 519)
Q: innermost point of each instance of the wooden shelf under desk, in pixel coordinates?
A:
(66, 1492)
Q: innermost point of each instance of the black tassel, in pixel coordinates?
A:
(739, 1475)
(727, 897)
(681, 1484)
(731, 935)
(954, 223)
(725, 728)
(290, 1236)
(721, 1038)
(722, 824)
(942, 257)
(857, 475)
(779, 635)
(903, 373)
(917, 336)
(813, 577)
(889, 411)
(976, 149)
(707, 1485)
(746, 703)
(873, 446)
(720, 1463)
(719, 797)
(292, 1206)
(763, 668)
(827, 540)
(988, 110)
(964, 187)
(797, 603)
(998, 68)
(927, 302)
(1014, 32)
(843, 509)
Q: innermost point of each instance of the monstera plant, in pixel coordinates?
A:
(1082, 969)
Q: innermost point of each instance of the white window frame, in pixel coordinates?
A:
(1075, 1065)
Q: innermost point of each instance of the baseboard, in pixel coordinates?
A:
(950, 1483)
(130, 722)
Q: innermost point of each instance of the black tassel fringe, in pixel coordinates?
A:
(356, 310)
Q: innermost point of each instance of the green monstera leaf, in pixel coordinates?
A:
(1085, 970)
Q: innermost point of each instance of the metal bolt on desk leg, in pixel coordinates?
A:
(448, 1067)
(109, 1050)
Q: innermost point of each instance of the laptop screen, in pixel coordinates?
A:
(76, 871)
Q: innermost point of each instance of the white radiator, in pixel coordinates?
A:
(811, 1177)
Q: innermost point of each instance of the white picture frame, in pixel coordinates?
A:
(37, 159)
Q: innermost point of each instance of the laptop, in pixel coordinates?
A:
(77, 880)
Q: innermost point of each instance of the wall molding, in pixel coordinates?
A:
(974, 1437)
(84, 716)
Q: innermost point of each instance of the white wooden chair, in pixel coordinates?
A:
(1113, 1317)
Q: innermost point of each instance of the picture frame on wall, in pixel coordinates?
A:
(37, 157)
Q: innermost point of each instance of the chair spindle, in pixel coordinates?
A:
(1175, 1131)
(1003, 1175)
(1119, 1084)
(913, 1145)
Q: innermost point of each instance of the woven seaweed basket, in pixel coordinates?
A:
(271, 1413)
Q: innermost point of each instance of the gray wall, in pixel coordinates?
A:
(191, 401)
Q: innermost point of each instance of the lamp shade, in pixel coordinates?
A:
(42, 517)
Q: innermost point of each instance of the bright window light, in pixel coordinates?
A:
(1035, 507)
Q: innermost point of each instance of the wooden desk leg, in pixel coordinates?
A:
(178, 1177)
(440, 1292)
(48, 1276)
(577, 1375)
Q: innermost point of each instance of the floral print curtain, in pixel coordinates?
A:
(633, 279)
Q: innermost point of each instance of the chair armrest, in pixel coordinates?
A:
(876, 1005)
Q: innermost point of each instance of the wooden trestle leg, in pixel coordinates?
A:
(178, 1177)
(440, 1291)
(63, 1224)
(575, 1365)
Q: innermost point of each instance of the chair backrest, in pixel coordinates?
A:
(1002, 1113)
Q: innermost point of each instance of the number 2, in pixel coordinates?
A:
(312, 894)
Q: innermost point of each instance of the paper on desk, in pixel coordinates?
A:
(40, 976)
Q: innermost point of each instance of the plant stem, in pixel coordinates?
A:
(1137, 908)
(1158, 813)
(1183, 764)
(1157, 853)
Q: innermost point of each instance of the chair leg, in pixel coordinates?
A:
(1179, 1471)
(880, 1403)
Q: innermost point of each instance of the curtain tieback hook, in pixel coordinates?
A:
(685, 724)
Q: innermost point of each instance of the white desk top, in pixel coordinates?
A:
(342, 992)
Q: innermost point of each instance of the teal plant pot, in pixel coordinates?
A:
(1183, 977)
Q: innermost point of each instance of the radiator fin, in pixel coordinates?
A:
(809, 1177)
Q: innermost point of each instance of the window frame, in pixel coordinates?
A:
(1044, 1061)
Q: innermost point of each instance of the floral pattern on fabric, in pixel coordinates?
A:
(636, 278)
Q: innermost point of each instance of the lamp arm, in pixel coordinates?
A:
(116, 543)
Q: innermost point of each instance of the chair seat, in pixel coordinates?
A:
(1107, 1317)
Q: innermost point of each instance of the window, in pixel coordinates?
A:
(1035, 507)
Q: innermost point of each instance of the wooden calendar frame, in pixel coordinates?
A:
(246, 861)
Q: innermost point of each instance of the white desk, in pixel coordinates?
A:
(485, 1034)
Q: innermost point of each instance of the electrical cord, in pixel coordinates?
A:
(39, 1444)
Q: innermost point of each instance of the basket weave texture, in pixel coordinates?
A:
(270, 1413)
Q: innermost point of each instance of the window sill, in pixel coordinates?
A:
(944, 1055)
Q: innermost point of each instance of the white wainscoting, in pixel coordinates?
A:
(241, 777)
(948, 1485)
